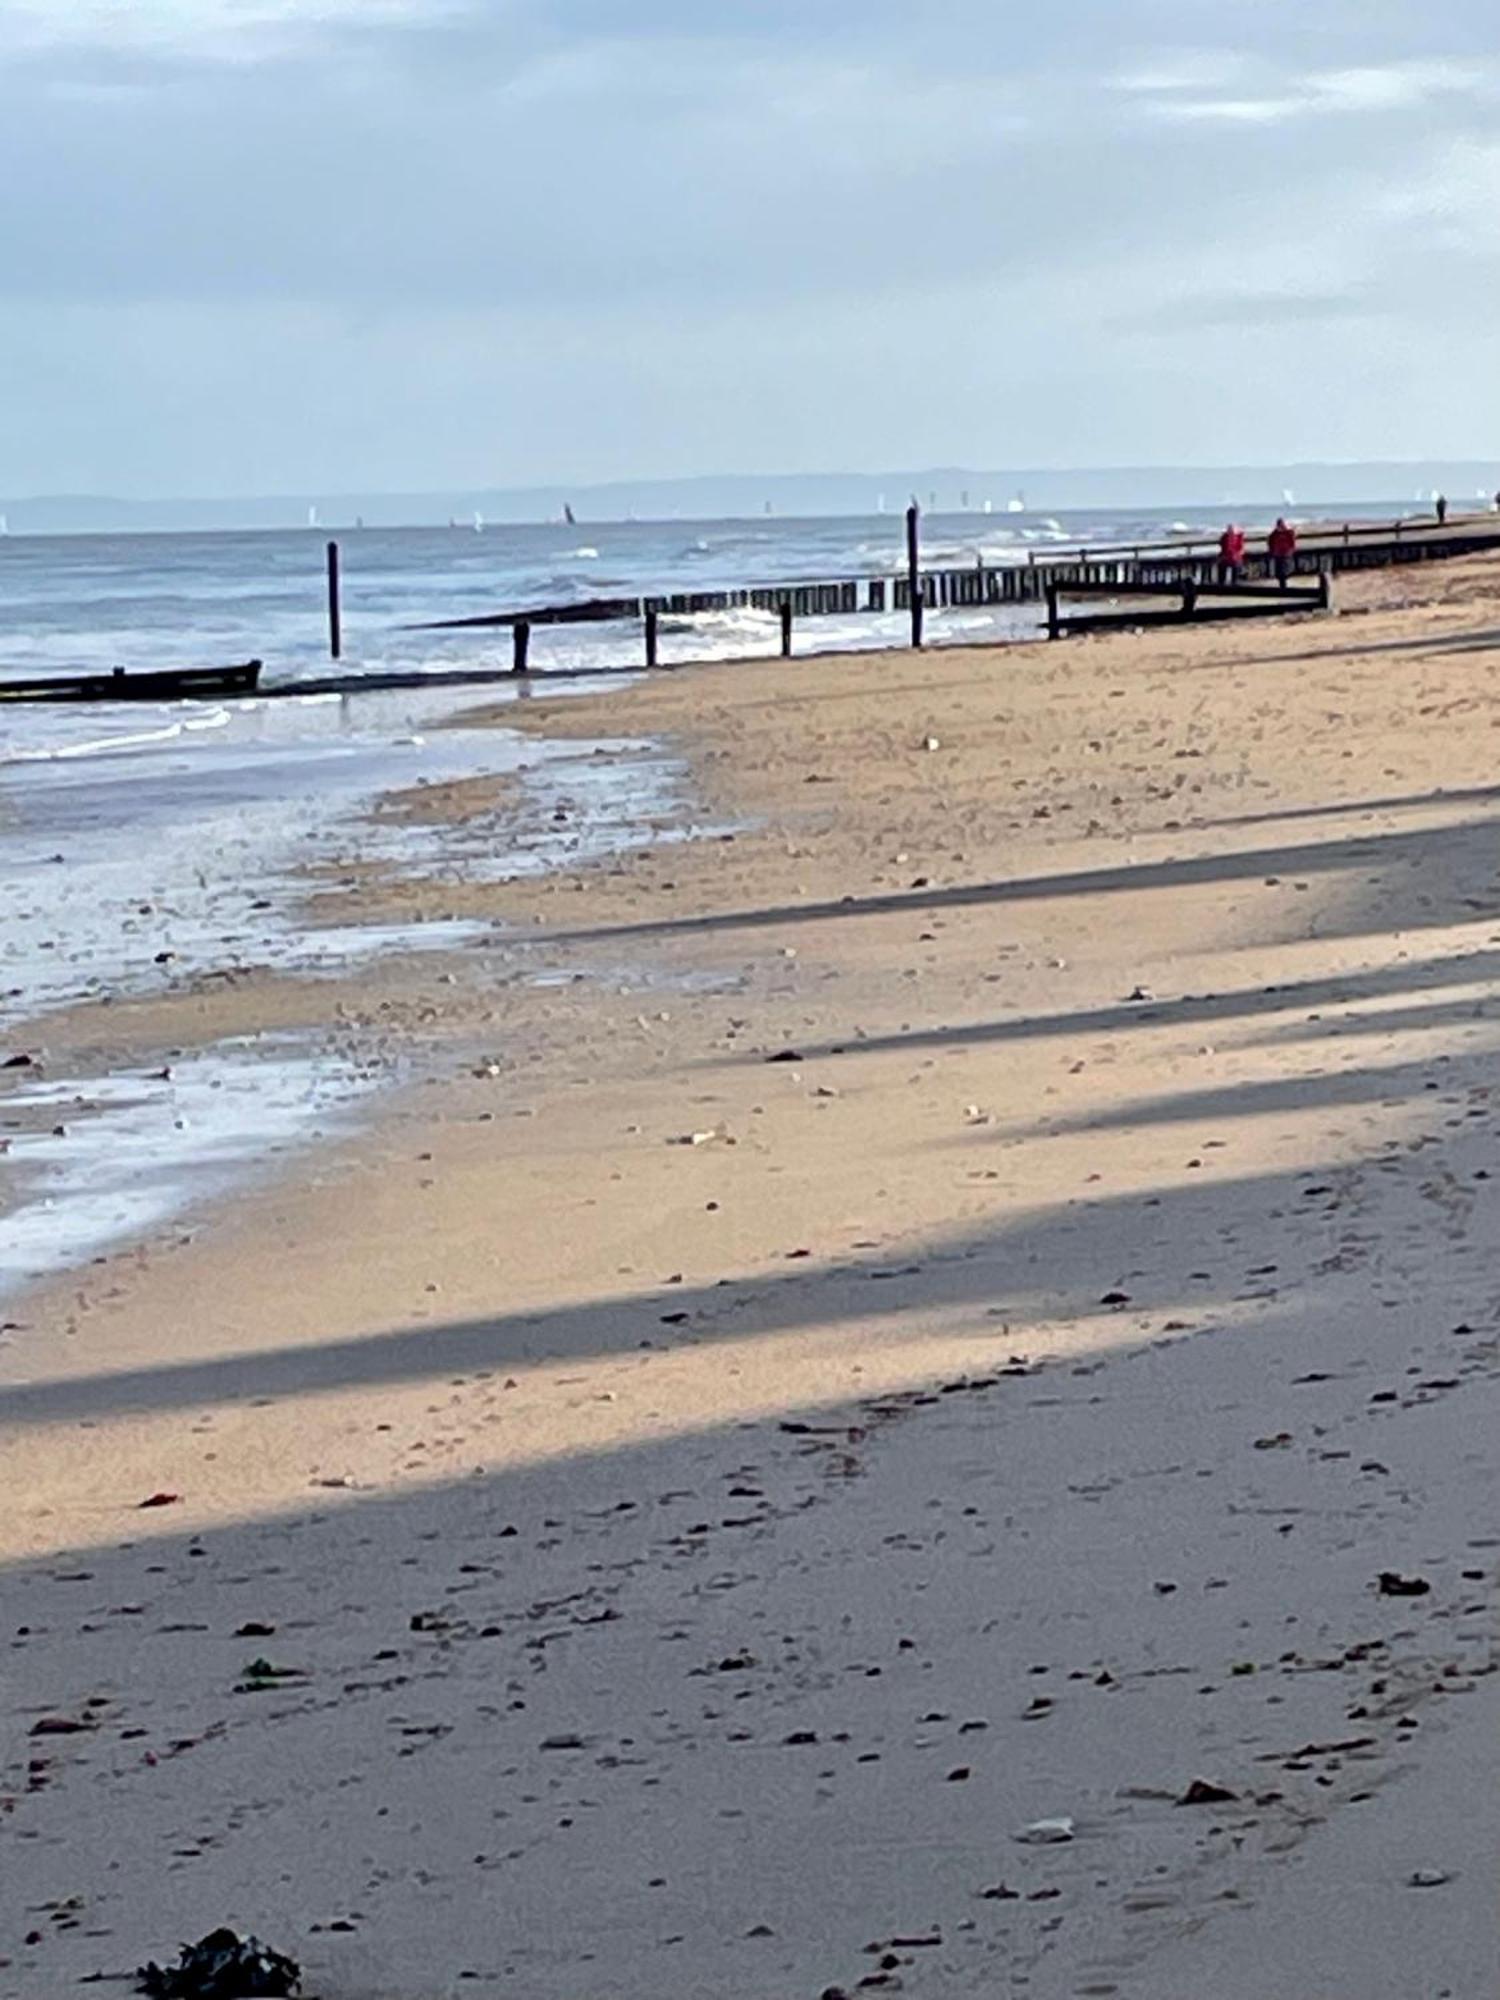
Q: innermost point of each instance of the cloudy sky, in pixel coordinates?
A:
(271, 245)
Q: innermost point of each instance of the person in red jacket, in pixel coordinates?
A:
(1232, 554)
(1281, 544)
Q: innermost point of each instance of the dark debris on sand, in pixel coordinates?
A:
(223, 1967)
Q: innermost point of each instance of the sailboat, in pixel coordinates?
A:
(478, 522)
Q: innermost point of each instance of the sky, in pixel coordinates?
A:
(256, 246)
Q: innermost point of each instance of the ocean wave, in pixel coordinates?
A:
(125, 740)
(734, 617)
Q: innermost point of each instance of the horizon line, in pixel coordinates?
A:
(302, 495)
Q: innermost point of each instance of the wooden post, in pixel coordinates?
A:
(335, 616)
(1325, 590)
(651, 638)
(1052, 626)
(914, 569)
(786, 628)
(521, 644)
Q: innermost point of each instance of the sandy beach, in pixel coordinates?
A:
(902, 1400)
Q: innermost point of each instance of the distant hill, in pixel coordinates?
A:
(944, 489)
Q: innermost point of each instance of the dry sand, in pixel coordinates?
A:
(935, 1316)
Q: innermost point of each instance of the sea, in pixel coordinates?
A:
(144, 844)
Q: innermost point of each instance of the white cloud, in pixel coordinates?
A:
(227, 30)
(1399, 86)
(1369, 89)
(1232, 110)
(1194, 69)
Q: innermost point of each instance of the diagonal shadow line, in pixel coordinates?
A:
(1479, 639)
(1189, 1010)
(1410, 848)
(868, 1289)
(1078, 1245)
(1328, 1090)
(1399, 802)
(1326, 1029)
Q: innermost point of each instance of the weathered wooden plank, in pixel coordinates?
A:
(1206, 587)
(1147, 620)
(142, 684)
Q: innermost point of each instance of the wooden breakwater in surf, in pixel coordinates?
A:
(982, 584)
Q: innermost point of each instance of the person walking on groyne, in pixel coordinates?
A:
(1441, 510)
(1232, 554)
(1281, 545)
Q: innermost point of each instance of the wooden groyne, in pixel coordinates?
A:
(992, 585)
(807, 600)
(1212, 601)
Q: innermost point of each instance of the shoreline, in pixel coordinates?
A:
(928, 1286)
(270, 954)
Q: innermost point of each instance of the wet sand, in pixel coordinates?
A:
(927, 1310)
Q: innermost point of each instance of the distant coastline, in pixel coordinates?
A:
(750, 496)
